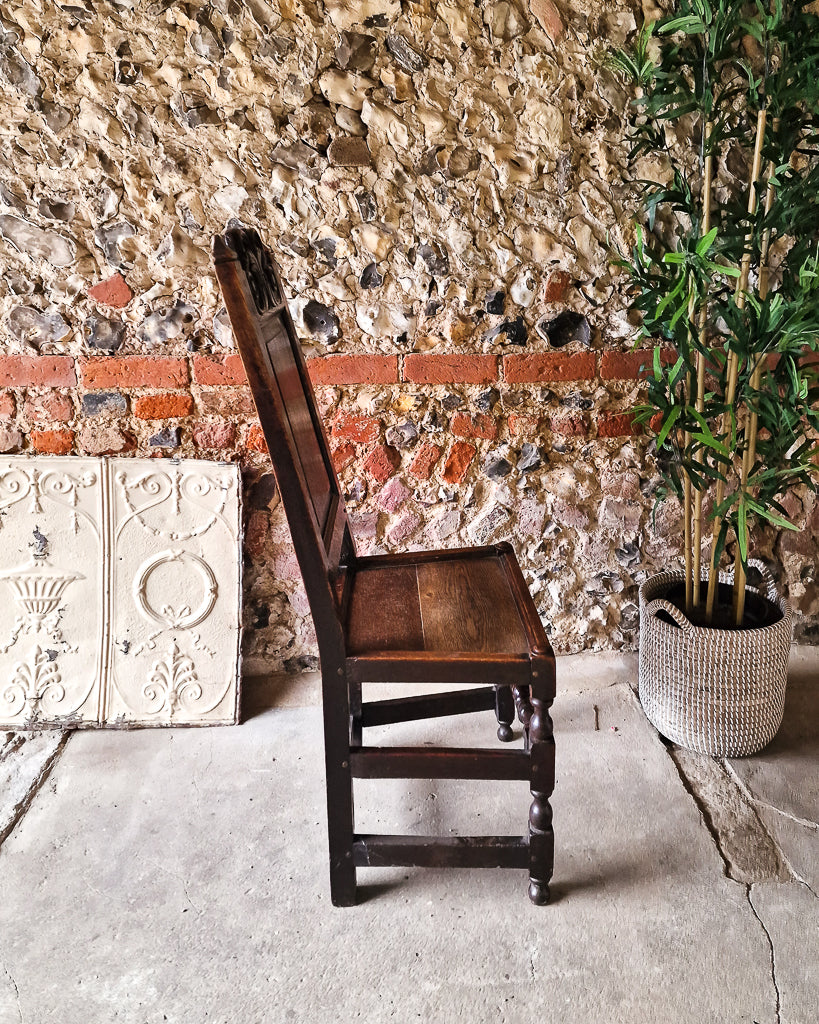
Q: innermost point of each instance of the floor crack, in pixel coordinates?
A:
(10, 976)
(805, 822)
(179, 878)
(747, 850)
(704, 815)
(38, 783)
(748, 891)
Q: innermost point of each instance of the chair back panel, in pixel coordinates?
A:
(278, 378)
(306, 441)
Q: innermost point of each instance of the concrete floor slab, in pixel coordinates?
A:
(181, 876)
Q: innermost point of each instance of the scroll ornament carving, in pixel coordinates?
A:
(177, 487)
(60, 487)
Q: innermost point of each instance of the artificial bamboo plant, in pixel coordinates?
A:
(725, 269)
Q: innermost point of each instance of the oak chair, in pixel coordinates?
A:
(455, 616)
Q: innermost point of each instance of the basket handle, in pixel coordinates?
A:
(769, 583)
(660, 604)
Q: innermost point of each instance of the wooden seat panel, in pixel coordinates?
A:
(468, 605)
(454, 605)
(385, 613)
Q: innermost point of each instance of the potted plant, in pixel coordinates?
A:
(724, 274)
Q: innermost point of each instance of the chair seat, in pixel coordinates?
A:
(472, 606)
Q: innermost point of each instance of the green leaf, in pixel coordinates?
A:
(689, 24)
(707, 241)
(668, 425)
(772, 517)
(742, 530)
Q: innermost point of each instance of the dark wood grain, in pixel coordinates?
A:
(441, 667)
(431, 705)
(468, 606)
(384, 611)
(443, 852)
(439, 763)
(304, 438)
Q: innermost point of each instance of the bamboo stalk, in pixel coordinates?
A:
(687, 488)
(707, 188)
(749, 455)
(689, 578)
(733, 359)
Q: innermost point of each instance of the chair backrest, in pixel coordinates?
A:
(278, 377)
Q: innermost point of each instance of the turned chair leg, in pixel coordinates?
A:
(524, 708)
(541, 834)
(504, 712)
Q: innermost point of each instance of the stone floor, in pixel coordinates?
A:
(180, 876)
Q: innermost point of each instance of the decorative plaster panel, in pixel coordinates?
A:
(122, 583)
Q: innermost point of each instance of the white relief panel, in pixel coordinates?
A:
(176, 547)
(51, 585)
(121, 592)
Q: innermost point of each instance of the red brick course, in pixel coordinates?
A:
(569, 426)
(626, 365)
(133, 372)
(439, 368)
(96, 439)
(549, 366)
(424, 462)
(215, 435)
(7, 405)
(37, 371)
(364, 369)
(557, 284)
(113, 291)
(218, 372)
(160, 407)
(255, 441)
(226, 402)
(458, 461)
(52, 442)
(521, 423)
(343, 454)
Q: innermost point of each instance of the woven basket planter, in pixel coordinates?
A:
(716, 691)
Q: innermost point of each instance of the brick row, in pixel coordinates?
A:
(103, 372)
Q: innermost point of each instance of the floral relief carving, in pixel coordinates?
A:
(172, 684)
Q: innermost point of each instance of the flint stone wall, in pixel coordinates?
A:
(441, 183)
